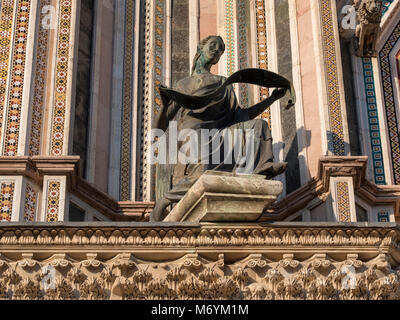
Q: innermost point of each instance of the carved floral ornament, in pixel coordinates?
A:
(194, 277)
(271, 262)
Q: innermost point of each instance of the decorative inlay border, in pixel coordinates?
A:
(262, 53)
(6, 33)
(243, 48)
(61, 79)
(30, 205)
(390, 108)
(373, 121)
(126, 148)
(336, 135)
(17, 79)
(53, 200)
(343, 201)
(154, 76)
(230, 37)
(38, 102)
(385, 5)
(6, 200)
(146, 103)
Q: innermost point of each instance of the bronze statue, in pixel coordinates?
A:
(208, 101)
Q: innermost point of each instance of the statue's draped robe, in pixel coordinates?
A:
(224, 114)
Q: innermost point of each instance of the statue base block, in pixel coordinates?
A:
(226, 197)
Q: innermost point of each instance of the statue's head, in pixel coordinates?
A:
(209, 51)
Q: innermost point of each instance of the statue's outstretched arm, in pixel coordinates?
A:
(259, 108)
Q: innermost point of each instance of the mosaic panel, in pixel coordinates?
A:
(127, 101)
(30, 205)
(17, 79)
(262, 53)
(230, 37)
(53, 201)
(336, 135)
(40, 85)
(383, 216)
(243, 48)
(390, 108)
(6, 32)
(373, 122)
(385, 5)
(6, 200)
(61, 81)
(343, 202)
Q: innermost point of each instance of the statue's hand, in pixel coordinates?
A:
(278, 93)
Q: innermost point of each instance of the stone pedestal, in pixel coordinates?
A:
(226, 197)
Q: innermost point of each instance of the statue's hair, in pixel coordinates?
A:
(200, 47)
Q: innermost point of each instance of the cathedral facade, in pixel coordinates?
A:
(78, 99)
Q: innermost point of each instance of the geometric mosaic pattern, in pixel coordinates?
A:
(230, 36)
(40, 84)
(336, 136)
(373, 121)
(262, 53)
(30, 205)
(17, 79)
(6, 200)
(61, 79)
(383, 216)
(6, 32)
(390, 108)
(53, 201)
(343, 201)
(385, 5)
(243, 48)
(127, 101)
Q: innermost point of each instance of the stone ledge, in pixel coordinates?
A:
(208, 261)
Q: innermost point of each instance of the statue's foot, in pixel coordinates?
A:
(273, 169)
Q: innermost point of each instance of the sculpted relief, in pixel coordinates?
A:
(205, 105)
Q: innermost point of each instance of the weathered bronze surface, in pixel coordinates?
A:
(208, 101)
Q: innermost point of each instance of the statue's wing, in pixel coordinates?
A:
(260, 77)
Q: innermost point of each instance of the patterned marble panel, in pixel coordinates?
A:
(53, 200)
(17, 76)
(243, 48)
(30, 204)
(262, 53)
(336, 143)
(61, 79)
(343, 202)
(127, 101)
(6, 32)
(230, 37)
(38, 103)
(6, 200)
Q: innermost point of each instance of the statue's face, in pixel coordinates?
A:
(372, 6)
(213, 50)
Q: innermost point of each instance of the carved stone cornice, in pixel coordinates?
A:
(334, 166)
(163, 261)
(234, 235)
